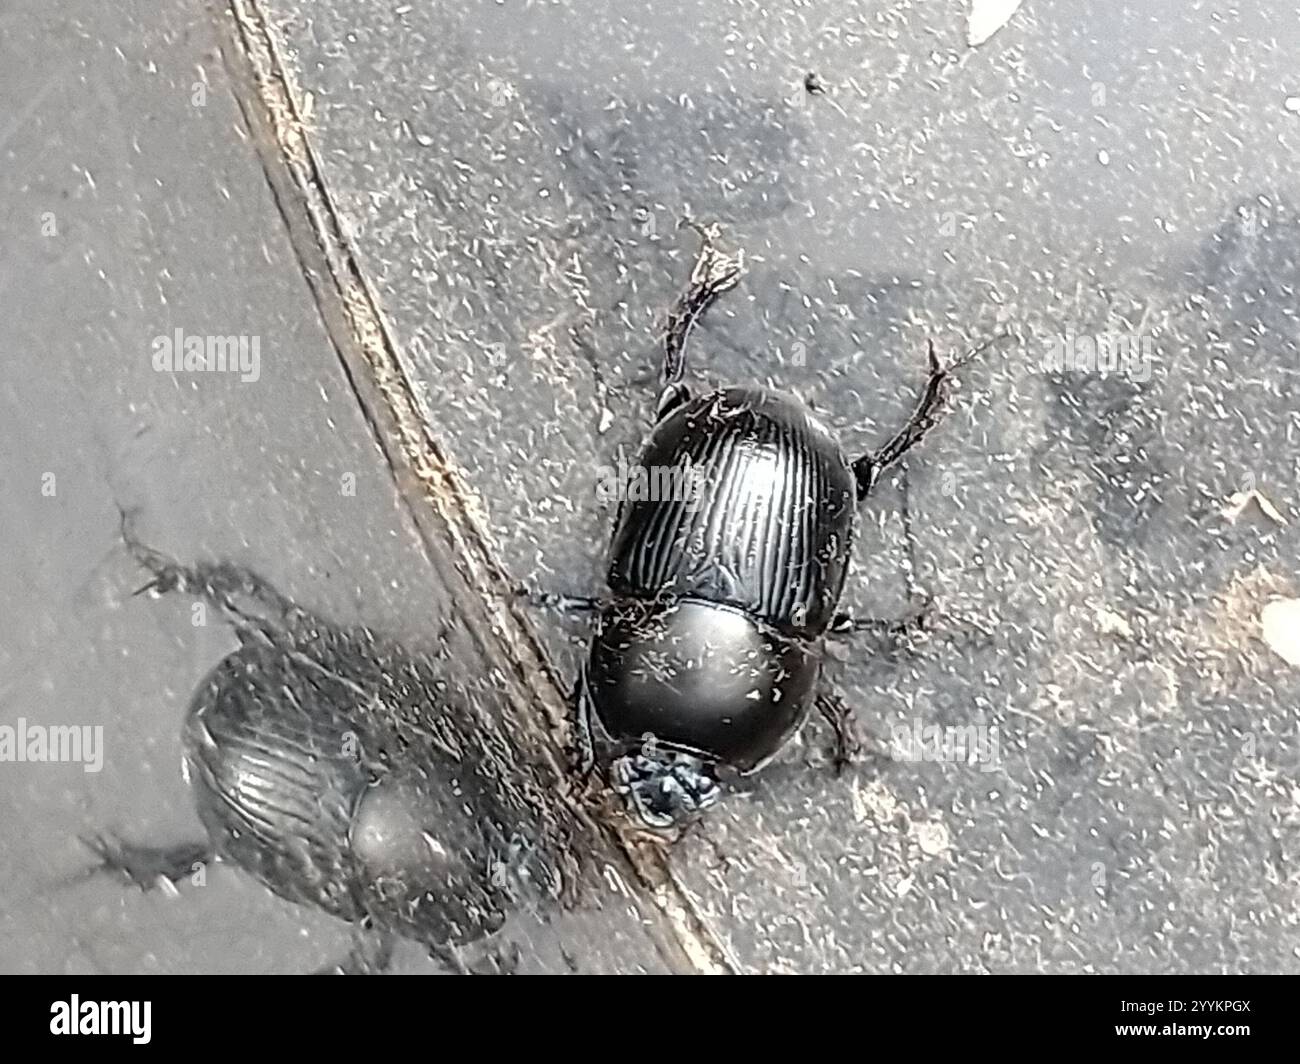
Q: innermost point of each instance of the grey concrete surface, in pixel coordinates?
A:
(513, 175)
(132, 204)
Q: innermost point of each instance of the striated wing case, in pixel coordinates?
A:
(739, 498)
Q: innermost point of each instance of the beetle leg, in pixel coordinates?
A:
(839, 715)
(929, 410)
(371, 954)
(925, 416)
(714, 272)
(147, 866)
(584, 746)
(449, 956)
(910, 624)
(240, 594)
(502, 959)
(555, 601)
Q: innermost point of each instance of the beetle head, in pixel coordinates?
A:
(664, 787)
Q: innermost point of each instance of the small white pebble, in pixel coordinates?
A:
(932, 837)
(1103, 157)
(1111, 623)
(1292, 104)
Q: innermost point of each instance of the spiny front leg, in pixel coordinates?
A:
(924, 417)
(908, 626)
(245, 598)
(714, 272)
(148, 867)
(929, 410)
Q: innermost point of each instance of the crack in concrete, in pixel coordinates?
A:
(420, 466)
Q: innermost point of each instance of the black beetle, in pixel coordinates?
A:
(709, 644)
(324, 762)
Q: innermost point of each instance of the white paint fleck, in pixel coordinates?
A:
(435, 847)
(1280, 621)
(987, 17)
(1236, 506)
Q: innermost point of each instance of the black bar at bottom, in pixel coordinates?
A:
(332, 1014)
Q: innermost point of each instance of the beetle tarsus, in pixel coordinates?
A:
(147, 867)
(168, 574)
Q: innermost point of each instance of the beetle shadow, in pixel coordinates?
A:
(634, 159)
(649, 165)
(1246, 274)
(1230, 323)
(371, 749)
